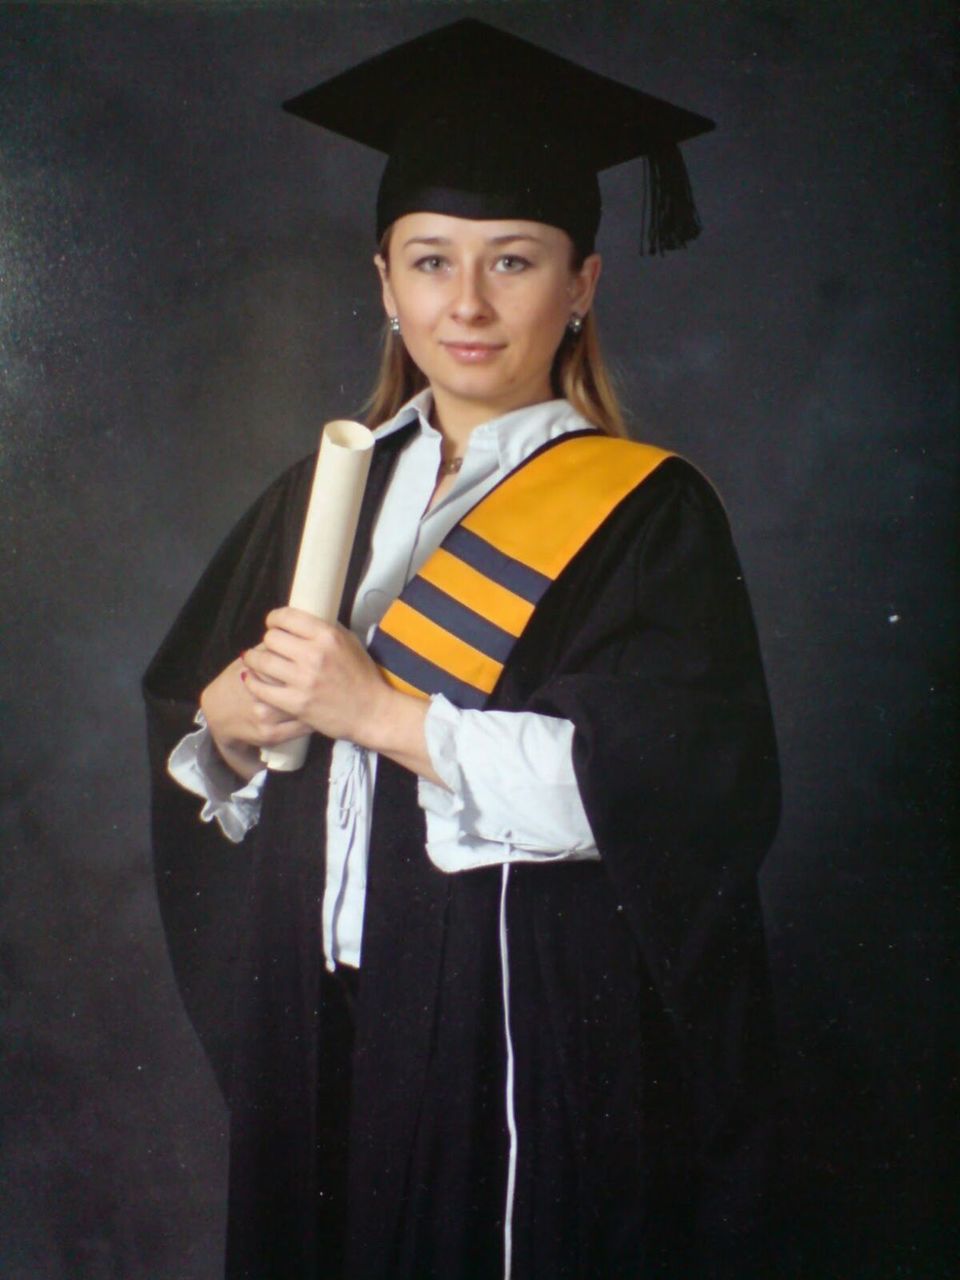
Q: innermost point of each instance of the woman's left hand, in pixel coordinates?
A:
(319, 674)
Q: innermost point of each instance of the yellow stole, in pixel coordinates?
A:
(453, 626)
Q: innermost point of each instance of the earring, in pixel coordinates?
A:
(394, 324)
(575, 324)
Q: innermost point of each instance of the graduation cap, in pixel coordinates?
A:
(480, 124)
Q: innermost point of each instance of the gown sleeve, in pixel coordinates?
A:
(676, 761)
(200, 875)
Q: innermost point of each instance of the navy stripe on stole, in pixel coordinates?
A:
(484, 557)
(401, 661)
(456, 618)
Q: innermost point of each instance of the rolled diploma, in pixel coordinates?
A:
(328, 533)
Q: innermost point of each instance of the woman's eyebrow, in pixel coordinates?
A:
(437, 241)
(519, 235)
(430, 240)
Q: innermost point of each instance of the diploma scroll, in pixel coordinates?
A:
(328, 533)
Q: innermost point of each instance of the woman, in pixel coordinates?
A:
(500, 995)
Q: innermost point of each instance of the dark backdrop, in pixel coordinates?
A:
(186, 295)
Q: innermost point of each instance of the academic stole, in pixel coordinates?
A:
(453, 626)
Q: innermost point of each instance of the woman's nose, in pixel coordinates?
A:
(470, 302)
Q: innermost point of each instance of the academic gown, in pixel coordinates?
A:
(640, 1012)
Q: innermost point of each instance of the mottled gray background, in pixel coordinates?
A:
(185, 295)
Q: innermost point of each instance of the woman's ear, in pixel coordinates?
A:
(583, 286)
(389, 306)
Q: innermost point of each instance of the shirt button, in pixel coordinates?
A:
(375, 603)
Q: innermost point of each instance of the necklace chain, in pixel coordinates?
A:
(450, 466)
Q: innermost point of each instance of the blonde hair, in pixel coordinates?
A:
(579, 374)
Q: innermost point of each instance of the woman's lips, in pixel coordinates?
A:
(472, 352)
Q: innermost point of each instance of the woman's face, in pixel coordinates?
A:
(483, 307)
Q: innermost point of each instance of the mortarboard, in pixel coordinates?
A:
(480, 124)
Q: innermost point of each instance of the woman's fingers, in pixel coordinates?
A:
(274, 703)
(282, 650)
(241, 723)
(314, 672)
(274, 726)
(297, 660)
(268, 666)
(297, 622)
(283, 644)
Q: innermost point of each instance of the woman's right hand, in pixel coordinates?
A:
(241, 724)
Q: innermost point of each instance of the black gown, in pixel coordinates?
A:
(640, 1012)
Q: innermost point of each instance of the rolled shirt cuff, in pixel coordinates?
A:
(196, 764)
(512, 793)
(440, 729)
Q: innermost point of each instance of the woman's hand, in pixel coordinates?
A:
(240, 723)
(318, 674)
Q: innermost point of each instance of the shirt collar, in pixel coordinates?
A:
(418, 407)
(513, 435)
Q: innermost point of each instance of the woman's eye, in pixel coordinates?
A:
(512, 263)
(430, 264)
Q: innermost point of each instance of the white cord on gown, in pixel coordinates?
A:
(511, 1113)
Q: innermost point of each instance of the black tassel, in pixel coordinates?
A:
(669, 215)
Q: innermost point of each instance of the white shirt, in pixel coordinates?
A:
(513, 794)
